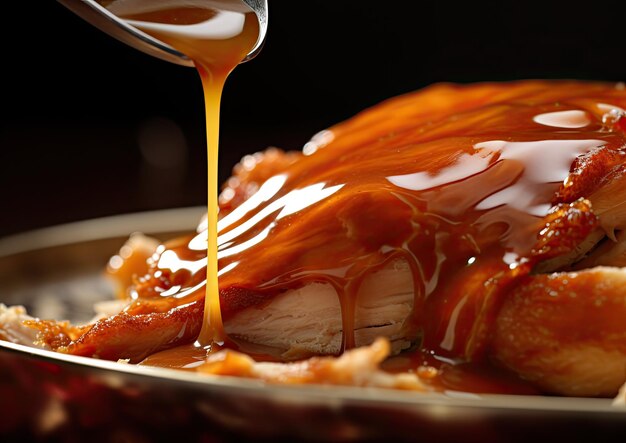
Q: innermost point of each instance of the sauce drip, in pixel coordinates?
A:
(216, 35)
(458, 182)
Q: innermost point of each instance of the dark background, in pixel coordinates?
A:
(80, 110)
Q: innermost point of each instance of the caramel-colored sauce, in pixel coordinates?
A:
(470, 185)
(186, 357)
(458, 181)
(216, 36)
(449, 375)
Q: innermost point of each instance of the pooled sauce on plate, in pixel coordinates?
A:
(216, 35)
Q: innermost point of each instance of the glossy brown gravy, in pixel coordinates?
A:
(459, 182)
(466, 184)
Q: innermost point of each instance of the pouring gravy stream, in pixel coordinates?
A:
(216, 35)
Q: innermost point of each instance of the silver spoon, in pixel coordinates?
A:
(105, 20)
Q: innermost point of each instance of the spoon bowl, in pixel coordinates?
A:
(98, 15)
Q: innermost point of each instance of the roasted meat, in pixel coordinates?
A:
(466, 222)
(565, 331)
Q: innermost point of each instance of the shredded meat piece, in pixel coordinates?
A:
(357, 367)
(12, 326)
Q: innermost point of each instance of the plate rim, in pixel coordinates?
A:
(161, 220)
(326, 393)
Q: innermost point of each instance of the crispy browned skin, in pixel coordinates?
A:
(137, 336)
(566, 331)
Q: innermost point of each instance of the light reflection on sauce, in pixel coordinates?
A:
(564, 119)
